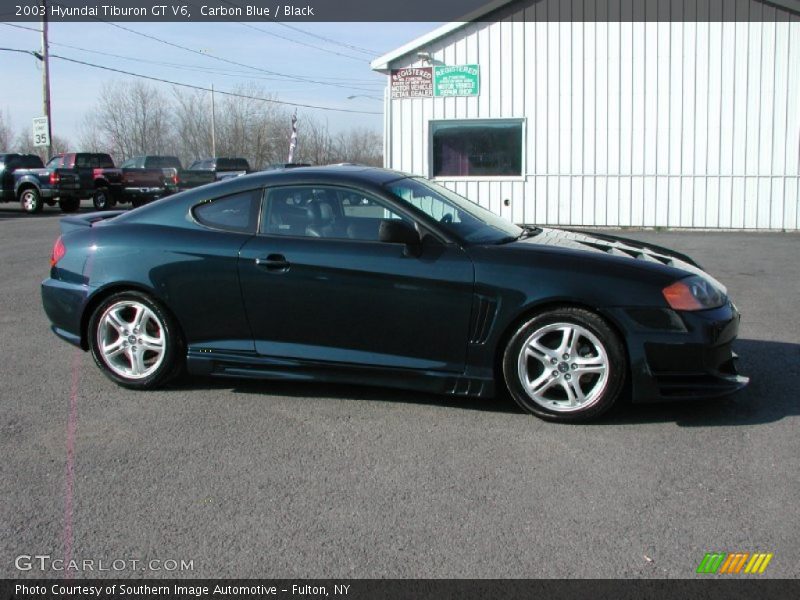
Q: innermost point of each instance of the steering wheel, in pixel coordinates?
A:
(447, 218)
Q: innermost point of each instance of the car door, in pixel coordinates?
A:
(8, 164)
(319, 285)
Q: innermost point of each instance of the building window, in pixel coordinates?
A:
(488, 148)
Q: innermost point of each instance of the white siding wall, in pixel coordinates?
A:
(677, 124)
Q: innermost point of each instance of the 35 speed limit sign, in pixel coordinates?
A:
(41, 132)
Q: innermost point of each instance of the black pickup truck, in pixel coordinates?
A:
(223, 168)
(106, 184)
(25, 179)
(176, 178)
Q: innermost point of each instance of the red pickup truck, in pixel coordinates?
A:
(108, 185)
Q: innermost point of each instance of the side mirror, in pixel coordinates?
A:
(395, 231)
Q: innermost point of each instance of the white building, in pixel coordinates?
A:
(681, 123)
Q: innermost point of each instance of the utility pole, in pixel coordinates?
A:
(213, 126)
(46, 79)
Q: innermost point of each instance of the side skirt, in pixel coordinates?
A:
(253, 366)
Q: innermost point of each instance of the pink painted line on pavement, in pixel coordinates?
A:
(69, 471)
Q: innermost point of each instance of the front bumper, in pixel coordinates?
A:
(682, 355)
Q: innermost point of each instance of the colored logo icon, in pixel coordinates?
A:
(734, 563)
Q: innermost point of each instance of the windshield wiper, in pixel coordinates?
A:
(528, 231)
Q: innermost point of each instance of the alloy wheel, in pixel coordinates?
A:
(131, 339)
(563, 367)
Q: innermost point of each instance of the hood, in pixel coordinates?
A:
(598, 243)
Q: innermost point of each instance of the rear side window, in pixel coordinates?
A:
(95, 161)
(162, 162)
(237, 212)
(31, 162)
(232, 164)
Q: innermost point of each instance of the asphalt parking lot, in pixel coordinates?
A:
(264, 479)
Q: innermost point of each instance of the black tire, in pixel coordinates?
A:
(137, 202)
(30, 200)
(173, 353)
(69, 205)
(103, 199)
(565, 379)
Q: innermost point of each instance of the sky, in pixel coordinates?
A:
(74, 87)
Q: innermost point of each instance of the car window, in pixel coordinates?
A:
(128, 164)
(162, 162)
(95, 161)
(232, 164)
(455, 213)
(237, 212)
(54, 162)
(324, 212)
(31, 161)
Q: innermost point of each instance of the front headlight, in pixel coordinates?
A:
(695, 293)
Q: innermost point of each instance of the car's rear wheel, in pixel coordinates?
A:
(135, 341)
(31, 200)
(102, 199)
(565, 365)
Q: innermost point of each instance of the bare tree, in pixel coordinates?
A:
(130, 118)
(315, 144)
(6, 132)
(191, 124)
(24, 145)
(252, 128)
(133, 118)
(360, 145)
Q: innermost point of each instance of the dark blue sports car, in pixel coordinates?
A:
(366, 275)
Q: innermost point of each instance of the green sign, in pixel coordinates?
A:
(459, 80)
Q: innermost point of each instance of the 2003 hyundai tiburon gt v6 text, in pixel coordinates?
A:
(366, 275)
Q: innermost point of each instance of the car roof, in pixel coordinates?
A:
(355, 173)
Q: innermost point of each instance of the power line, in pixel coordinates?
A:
(325, 39)
(226, 60)
(283, 37)
(212, 70)
(197, 87)
(31, 52)
(21, 27)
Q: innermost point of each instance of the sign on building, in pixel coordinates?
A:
(41, 132)
(414, 82)
(458, 80)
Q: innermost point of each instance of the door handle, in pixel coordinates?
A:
(274, 262)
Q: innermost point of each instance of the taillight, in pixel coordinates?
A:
(175, 179)
(54, 178)
(59, 250)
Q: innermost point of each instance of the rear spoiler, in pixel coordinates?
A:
(88, 220)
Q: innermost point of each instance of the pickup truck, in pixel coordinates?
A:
(176, 178)
(107, 185)
(24, 178)
(223, 168)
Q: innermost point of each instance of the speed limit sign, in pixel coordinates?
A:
(41, 132)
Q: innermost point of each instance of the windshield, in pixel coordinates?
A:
(456, 214)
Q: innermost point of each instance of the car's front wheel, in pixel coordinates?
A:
(135, 341)
(565, 364)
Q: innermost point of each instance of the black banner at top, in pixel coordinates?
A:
(407, 10)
